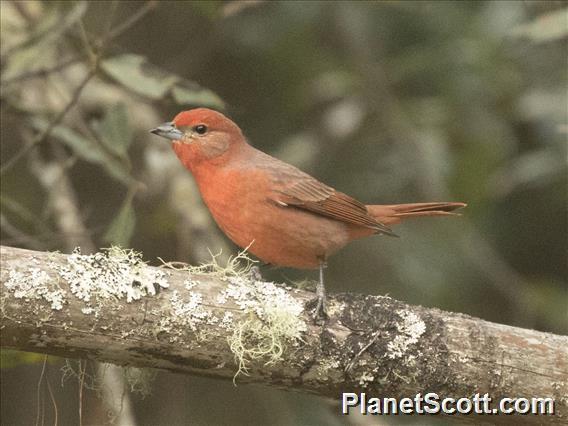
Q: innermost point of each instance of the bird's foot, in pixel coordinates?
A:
(320, 311)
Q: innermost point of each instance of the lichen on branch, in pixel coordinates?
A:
(268, 319)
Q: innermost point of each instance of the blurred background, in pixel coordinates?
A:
(390, 102)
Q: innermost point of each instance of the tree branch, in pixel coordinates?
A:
(202, 323)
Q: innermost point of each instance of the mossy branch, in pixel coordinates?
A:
(112, 307)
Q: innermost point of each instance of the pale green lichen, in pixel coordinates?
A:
(272, 323)
(366, 378)
(140, 380)
(408, 332)
(326, 366)
(36, 284)
(227, 320)
(272, 318)
(113, 273)
(237, 266)
(190, 311)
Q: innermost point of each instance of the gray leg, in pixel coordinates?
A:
(320, 311)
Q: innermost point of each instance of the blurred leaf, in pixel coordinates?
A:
(117, 171)
(547, 27)
(22, 212)
(114, 130)
(86, 149)
(188, 93)
(329, 86)
(235, 7)
(11, 358)
(23, 217)
(80, 145)
(120, 230)
(138, 75)
(209, 9)
(533, 169)
(58, 20)
(42, 40)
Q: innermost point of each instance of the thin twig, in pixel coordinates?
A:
(38, 394)
(374, 338)
(81, 385)
(53, 401)
(111, 15)
(45, 134)
(44, 72)
(126, 25)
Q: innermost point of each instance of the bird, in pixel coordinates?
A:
(280, 214)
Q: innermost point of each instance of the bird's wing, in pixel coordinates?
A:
(304, 192)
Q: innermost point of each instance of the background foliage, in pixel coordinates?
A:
(392, 101)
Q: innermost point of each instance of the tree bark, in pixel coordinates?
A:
(210, 323)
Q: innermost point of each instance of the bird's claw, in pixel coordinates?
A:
(320, 312)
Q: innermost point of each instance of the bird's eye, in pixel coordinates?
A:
(201, 129)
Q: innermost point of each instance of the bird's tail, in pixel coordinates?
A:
(396, 213)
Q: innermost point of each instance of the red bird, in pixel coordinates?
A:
(284, 216)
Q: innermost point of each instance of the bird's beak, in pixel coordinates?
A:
(168, 131)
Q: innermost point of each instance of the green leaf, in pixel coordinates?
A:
(188, 93)
(114, 130)
(136, 74)
(120, 230)
(40, 47)
(86, 149)
(80, 145)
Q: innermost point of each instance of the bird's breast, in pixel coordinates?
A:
(241, 204)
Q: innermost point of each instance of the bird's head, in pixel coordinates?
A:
(201, 134)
